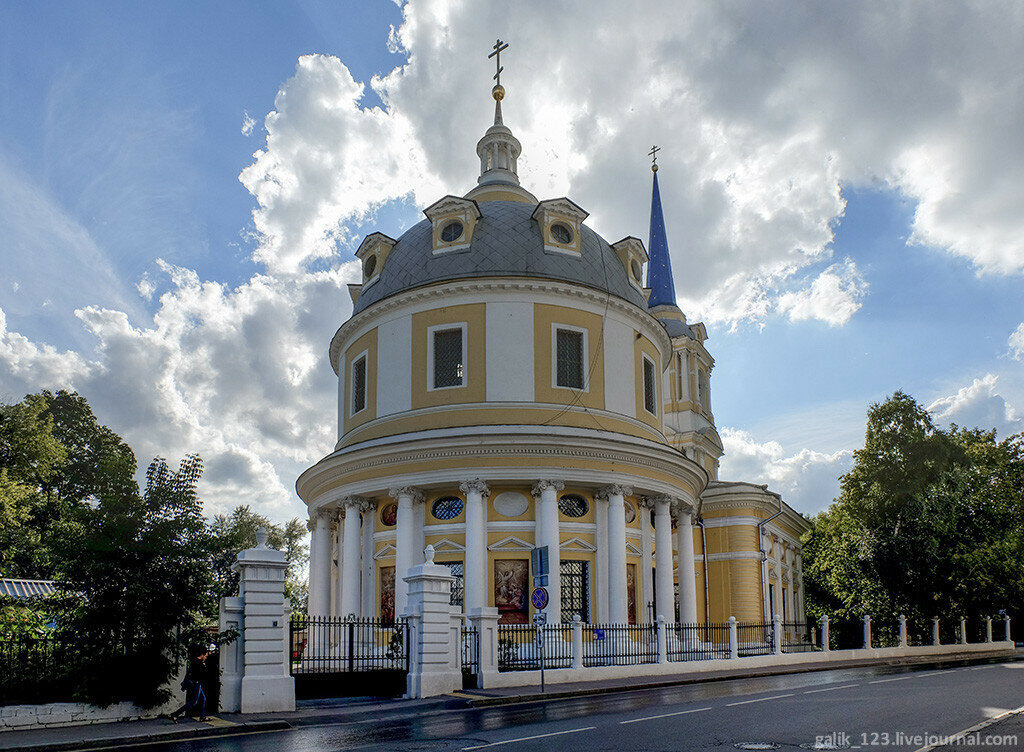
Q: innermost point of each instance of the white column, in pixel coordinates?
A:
(646, 594)
(779, 548)
(338, 545)
(546, 494)
(475, 565)
(601, 540)
(369, 606)
(663, 558)
(799, 612)
(351, 555)
(618, 612)
(319, 564)
(405, 537)
(687, 575)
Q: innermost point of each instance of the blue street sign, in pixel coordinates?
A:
(539, 598)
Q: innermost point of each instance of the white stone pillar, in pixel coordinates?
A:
(432, 671)
(337, 553)
(485, 621)
(475, 567)
(665, 597)
(319, 564)
(1007, 634)
(352, 555)
(825, 647)
(646, 584)
(618, 607)
(545, 493)
(935, 631)
(601, 540)
(662, 638)
(405, 540)
(988, 629)
(776, 634)
(903, 631)
(687, 574)
(867, 631)
(267, 685)
(963, 631)
(232, 654)
(734, 638)
(577, 642)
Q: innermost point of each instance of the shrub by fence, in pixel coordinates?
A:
(36, 670)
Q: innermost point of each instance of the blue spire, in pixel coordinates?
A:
(659, 265)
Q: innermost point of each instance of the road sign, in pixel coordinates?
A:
(539, 561)
(598, 634)
(539, 598)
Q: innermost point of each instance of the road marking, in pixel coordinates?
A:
(830, 689)
(759, 699)
(981, 668)
(898, 678)
(953, 738)
(938, 673)
(664, 715)
(528, 738)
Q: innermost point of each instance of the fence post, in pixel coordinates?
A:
(825, 646)
(431, 672)
(867, 631)
(577, 641)
(734, 638)
(232, 655)
(485, 621)
(935, 631)
(776, 635)
(662, 640)
(1007, 633)
(963, 631)
(988, 629)
(903, 631)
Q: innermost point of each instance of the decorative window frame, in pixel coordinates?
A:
(555, 326)
(363, 356)
(464, 326)
(561, 210)
(631, 249)
(644, 360)
(375, 244)
(448, 209)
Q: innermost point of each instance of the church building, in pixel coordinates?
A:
(508, 380)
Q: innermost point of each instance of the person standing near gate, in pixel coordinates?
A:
(195, 694)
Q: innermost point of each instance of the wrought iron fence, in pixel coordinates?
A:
(697, 642)
(846, 634)
(754, 639)
(949, 631)
(520, 646)
(797, 636)
(976, 631)
(619, 644)
(470, 652)
(885, 633)
(37, 669)
(332, 645)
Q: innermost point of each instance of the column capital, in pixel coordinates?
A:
(475, 486)
(645, 502)
(680, 507)
(542, 485)
(615, 489)
(662, 502)
(356, 503)
(413, 493)
(319, 515)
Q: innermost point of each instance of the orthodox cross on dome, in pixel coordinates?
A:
(653, 154)
(498, 48)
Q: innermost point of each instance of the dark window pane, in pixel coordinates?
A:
(569, 351)
(447, 508)
(572, 505)
(456, 568)
(575, 583)
(359, 385)
(448, 358)
(649, 403)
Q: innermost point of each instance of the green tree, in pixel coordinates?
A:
(237, 531)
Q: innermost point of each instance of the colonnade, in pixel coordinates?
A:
(785, 563)
(354, 519)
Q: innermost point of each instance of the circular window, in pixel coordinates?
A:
(389, 515)
(572, 505)
(446, 508)
(511, 504)
(561, 233)
(451, 232)
(637, 271)
(369, 266)
(630, 512)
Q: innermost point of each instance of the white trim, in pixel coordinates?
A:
(371, 280)
(632, 549)
(388, 552)
(448, 546)
(364, 356)
(645, 358)
(577, 544)
(584, 360)
(511, 543)
(431, 376)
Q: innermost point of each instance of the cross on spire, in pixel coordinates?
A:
(499, 46)
(653, 154)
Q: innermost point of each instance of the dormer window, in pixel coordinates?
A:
(633, 255)
(369, 266)
(373, 252)
(561, 224)
(453, 221)
(561, 233)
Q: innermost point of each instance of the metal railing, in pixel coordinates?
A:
(37, 669)
(797, 636)
(470, 654)
(520, 648)
(619, 644)
(332, 645)
(696, 642)
(754, 639)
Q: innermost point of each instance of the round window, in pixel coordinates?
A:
(389, 515)
(451, 232)
(637, 271)
(446, 508)
(369, 266)
(630, 512)
(572, 505)
(561, 233)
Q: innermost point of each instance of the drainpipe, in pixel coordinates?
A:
(707, 589)
(764, 560)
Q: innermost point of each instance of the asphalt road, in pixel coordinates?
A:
(868, 708)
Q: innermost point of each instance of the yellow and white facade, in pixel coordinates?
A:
(503, 385)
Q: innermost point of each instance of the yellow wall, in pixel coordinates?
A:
(543, 377)
(474, 368)
(368, 343)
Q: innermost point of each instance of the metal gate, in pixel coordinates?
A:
(336, 657)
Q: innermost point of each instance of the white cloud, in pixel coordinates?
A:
(1016, 343)
(833, 297)
(808, 480)
(978, 405)
(247, 124)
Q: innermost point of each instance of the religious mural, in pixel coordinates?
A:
(631, 592)
(387, 594)
(511, 584)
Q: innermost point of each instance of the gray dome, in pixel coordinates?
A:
(507, 242)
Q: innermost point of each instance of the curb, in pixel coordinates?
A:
(156, 737)
(482, 702)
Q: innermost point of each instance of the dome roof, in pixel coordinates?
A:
(507, 242)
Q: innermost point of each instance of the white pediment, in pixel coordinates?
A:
(511, 543)
(388, 552)
(577, 544)
(632, 550)
(444, 545)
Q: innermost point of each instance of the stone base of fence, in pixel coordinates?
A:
(57, 714)
(682, 668)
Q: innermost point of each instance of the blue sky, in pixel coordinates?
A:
(843, 204)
